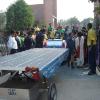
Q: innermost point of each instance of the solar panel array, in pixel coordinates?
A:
(38, 57)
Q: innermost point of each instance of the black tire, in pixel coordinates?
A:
(52, 92)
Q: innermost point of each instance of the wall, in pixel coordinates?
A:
(38, 12)
(44, 12)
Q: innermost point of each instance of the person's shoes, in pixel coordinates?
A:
(68, 64)
(72, 66)
(91, 73)
(86, 68)
(79, 66)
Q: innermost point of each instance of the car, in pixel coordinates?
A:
(55, 43)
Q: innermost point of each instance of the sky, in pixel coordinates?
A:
(65, 8)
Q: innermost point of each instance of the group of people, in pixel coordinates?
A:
(20, 41)
(76, 42)
(81, 44)
(32, 38)
(82, 47)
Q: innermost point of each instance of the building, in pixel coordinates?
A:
(46, 13)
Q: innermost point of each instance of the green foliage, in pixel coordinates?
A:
(2, 21)
(94, 0)
(73, 21)
(97, 22)
(86, 21)
(62, 22)
(70, 22)
(97, 10)
(19, 16)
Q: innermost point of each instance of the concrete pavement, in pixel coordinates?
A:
(72, 84)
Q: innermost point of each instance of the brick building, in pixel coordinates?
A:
(46, 13)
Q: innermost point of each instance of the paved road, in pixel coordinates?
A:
(72, 84)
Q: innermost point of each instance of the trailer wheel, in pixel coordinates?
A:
(52, 92)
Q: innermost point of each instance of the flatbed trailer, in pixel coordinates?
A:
(14, 85)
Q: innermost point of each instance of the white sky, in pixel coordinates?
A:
(65, 8)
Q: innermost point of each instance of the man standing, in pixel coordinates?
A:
(49, 30)
(12, 43)
(91, 43)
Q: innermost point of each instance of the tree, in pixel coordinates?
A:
(97, 10)
(2, 21)
(62, 22)
(94, 0)
(19, 16)
(70, 22)
(73, 21)
(86, 21)
(96, 13)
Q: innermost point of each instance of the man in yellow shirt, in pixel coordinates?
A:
(91, 43)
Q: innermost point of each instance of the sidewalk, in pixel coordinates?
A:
(75, 84)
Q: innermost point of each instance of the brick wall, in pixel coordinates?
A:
(44, 12)
(38, 12)
(50, 10)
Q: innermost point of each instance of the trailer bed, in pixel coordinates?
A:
(46, 59)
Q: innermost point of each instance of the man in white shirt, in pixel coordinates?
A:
(12, 43)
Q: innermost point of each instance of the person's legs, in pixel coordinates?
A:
(85, 56)
(72, 61)
(92, 61)
(13, 51)
(69, 58)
